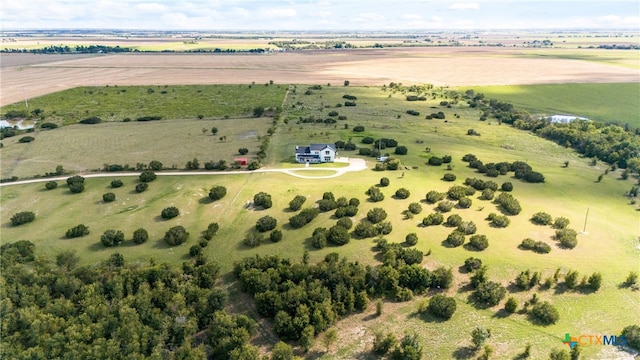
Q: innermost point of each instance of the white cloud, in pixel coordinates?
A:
(279, 12)
(369, 17)
(412, 17)
(436, 19)
(465, 6)
(320, 14)
(151, 7)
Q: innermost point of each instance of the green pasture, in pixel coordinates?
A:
(80, 147)
(609, 102)
(609, 245)
(116, 103)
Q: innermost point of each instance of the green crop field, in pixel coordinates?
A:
(610, 103)
(608, 246)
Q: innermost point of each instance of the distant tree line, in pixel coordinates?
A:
(78, 49)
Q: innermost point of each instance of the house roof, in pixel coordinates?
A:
(314, 147)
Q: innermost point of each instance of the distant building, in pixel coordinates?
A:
(316, 153)
(565, 119)
(240, 160)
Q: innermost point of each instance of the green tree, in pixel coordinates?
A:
(559, 354)
(489, 293)
(22, 218)
(217, 192)
(402, 193)
(632, 333)
(297, 202)
(112, 238)
(275, 236)
(176, 235)
(147, 176)
(140, 236)
(108, 197)
(155, 165)
(214, 131)
(170, 212)
(243, 151)
(50, 185)
(383, 343)
(376, 215)
(67, 259)
(411, 239)
(307, 338)
(266, 223)
(141, 187)
(545, 313)
(479, 336)
(442, 306)
(330, 338)
(511, 305)
(595, 281)
(338, 235)
(116, 183)
(77, 231)
(409, 348)
(262, 200)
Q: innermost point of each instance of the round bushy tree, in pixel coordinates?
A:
(384, 181)
(266, 223)
(401, 150)
(262, 200)
(433, 196)
(403, 193)
(140, 236)
(411, 239)
(479, 242)
(345, 222)
(176, 235)
(376, 215)
(542, 218)
(217, 192)
(77, 231)
(50, 185)
(454, 220)
(22, 218)
(445, 206)
(170, 212)
(455, 239)
(449, 177)
(464, 203)
(545, 313)
(108, 197)
(112, 238)
(511, 305)
(275, 236)
(433, 219)
(116, 183)
(155, 165)
(147, 176)
(142, 187)
(338, 235)
(76, 187)
(442, 306)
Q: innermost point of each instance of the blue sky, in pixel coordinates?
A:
(317, 14)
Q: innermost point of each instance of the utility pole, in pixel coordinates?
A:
(584, 229)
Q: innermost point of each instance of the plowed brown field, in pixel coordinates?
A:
(27, 75)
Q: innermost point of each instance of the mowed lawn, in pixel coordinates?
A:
(612, 102)
(609, 245)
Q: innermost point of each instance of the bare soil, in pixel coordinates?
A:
(27, 75)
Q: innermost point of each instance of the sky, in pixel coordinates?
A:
(296, 15)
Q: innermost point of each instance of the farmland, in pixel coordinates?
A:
(568, 191)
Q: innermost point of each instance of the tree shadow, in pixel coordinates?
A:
(465, 288)
(464, 352)
(97, 246)
(205, 200)
(470, 247)
(501, 314)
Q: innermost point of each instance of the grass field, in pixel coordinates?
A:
(617, 103)
(115, 103)
(609, 247)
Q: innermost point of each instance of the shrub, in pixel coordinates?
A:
(217, 192)
(155, 165)
(262, 200)
(541, 218)
(411, 239)
(176, 235)
(433, 196)
(457, 192)
(212, 229)
(508, 204)
(454, 220)
(112, 238)
(304, 217)
(449, 177)
(499, 221)
(170, 212)
(345, 222)
(297, 202)
(442, 306)
(445, 206)
(464, 203)
(375, 195)
(415, 208)
(367, 140)
(108, 197)
(435, 161)
(384, 181)
(243, 151)
(479, 242)
(471, 264)
(140, 236)
(91, 120)
(266, 223)
(401, 150)
(365, 230)
(50, 185)
(567, 238)
(433, 219)
(560, 223)
(77, 231)
(22, 218)
(545, 313)
(455, 239)
(511, 305)
(338, 235)
(376, 215)
(595, 281)
(116, 183)
(489, 293)
(506, 186)
(358, 128)
(537, 246)
(147, 176)
(275, 236)
(76, 188)
(48, 125)
(142, 187)
(413, 112)
(26, 139)
(632, 333)
(403, 193)
(319, 238)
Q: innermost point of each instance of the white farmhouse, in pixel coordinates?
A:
(316, 153)
(565, 119)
